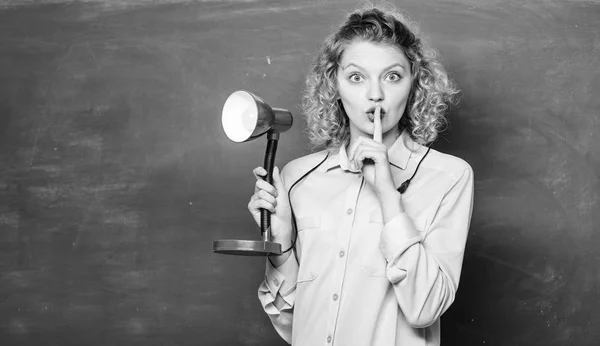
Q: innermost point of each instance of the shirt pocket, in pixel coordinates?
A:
(372, 262)
(308, 236)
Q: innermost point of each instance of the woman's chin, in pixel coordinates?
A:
(363, 132)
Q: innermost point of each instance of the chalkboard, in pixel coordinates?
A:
(116, 176)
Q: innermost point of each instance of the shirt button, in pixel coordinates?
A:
(349, 211)
(329, 339)
(275, 282)
(335, 297)
(342, 253)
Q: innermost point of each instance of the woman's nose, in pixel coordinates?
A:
(375, 92)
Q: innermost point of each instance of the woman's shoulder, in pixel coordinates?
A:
(297, 167)
(454, 166)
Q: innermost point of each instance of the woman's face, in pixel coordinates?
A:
(370, 74)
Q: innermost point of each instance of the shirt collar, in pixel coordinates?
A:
(398, 154)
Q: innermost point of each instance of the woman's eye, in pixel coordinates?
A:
(394, 77)
(356, 78)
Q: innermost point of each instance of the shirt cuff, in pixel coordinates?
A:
(398, 235)
(282, 279)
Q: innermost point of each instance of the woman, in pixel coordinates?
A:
(375, 225)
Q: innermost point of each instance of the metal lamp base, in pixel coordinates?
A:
(246, 247)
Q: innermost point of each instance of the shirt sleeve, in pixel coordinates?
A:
(279, 289)
(425, 273)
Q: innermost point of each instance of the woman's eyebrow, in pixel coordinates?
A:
(351, 64)
(386, 69)
(395, 65)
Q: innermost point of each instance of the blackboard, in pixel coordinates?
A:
(116, 176)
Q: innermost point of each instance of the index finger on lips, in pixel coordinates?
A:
(377, 135)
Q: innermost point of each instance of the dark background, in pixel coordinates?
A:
(116, 177)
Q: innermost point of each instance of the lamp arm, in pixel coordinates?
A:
(265, 215)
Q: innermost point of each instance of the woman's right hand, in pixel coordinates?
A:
(274, 199)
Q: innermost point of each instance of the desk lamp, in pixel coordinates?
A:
(246, 117)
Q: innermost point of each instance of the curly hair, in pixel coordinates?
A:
(432, 91)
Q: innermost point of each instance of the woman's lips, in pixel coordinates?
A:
(371, 115)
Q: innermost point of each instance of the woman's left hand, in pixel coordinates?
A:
(377, 173)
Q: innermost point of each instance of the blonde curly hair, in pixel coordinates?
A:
(431, 94)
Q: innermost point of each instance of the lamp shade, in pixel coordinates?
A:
(246, 116)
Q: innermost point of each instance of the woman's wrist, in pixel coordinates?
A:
(285, 242)
(283, 237)
(388, 193)
(391, 205)
(279, 260)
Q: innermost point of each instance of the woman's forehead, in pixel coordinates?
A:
(367, 54)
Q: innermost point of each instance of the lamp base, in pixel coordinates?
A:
(246, 247)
